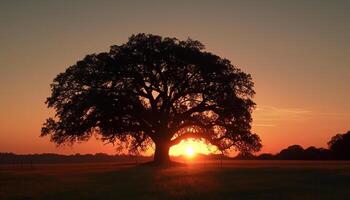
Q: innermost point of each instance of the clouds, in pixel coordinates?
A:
(269, 116)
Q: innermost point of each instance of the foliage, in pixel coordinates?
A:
(153, 90)
(340, 146)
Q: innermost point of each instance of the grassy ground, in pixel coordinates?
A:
(227, 180)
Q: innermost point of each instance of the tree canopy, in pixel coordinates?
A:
(153, 90)
(340, 146)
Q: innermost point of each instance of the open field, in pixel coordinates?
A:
(209, 180)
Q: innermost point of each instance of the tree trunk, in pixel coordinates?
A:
(161, 154)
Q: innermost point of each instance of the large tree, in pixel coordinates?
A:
(153, 90)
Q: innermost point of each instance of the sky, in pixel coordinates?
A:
(296, 51)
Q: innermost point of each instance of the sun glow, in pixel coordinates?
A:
(191, 147)
(190, 151)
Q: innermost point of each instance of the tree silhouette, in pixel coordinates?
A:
(153, 90)
(340, 146)
(293, 152)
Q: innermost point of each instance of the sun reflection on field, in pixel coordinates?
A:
(191, 147)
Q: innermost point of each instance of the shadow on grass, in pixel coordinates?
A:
(186, 182)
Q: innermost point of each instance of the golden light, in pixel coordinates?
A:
(191, 147)
(190, 151)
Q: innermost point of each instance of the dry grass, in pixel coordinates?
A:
(198, 180)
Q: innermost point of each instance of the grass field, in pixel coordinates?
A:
(205, 180)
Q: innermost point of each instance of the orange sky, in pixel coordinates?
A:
(297, 52)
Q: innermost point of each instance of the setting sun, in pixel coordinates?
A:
(190, 151)
(195, 100)
(191, 147)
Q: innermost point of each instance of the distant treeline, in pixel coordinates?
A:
(50, 158)
(11, 158)
(296, 152)
(338, 149)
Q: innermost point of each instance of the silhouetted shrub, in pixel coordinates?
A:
(313, 153)
(266, 156)
(340, 146)
(245, 156)
(294, 152)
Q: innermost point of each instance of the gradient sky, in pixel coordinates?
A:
(298, 53)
